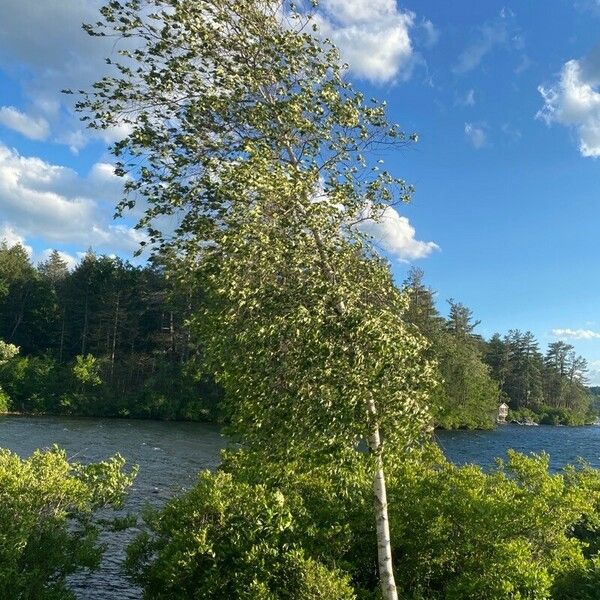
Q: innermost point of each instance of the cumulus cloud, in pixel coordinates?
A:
(30, 127)
(44, 44)
(575, 334)
(476, 134)
(396, 236)
(10, 237)
(574, 101)
(42, 200)
(374, 36)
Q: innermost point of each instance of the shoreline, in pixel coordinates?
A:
(19, 414)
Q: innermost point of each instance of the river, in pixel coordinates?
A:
(170, 454)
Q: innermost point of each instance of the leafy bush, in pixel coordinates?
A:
(550, 415)
(31, 383)
(461, 533)
(4, 401)
(229, 539)
(523, 415)
(47, 529)
(458, 533)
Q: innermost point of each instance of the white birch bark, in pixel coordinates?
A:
(384, 545)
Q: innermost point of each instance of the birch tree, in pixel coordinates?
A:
(253, 160)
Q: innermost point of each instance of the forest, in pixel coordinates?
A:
(110, 339)
(105, 339)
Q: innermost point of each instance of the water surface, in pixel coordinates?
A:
(564, 444)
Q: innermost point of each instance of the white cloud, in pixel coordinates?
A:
(574, 101)
(593, 374)
(396, 236)
(373, 36)
(432, 35)
(476, 134)
(11, 237)
(467, 100)
(512, 132)
(496, 33)
(44, 44)
(31, 127)
(52, 202)
(575, 334)
(524, 64)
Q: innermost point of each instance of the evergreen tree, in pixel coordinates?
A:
(54, 268)
(421, 310)
(496, 357)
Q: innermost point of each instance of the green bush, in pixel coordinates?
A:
(564, 416)
(230, 539)
(458, 533)
(462, 533)
(32, 383)
(47, 528)
(523, 415)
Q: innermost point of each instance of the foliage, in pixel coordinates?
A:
(7, 351)
(467, 396)
(40, 384)
(506, 534)
(477, 375)
(128, 321)
(250, 135)
(459, 532)
(549, 389)
(47, 529)
(226, 539)
(86, 370)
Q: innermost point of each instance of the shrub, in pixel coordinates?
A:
(461, 533)
(47, 528)
(230, 539)
(458, 533)
(4, 401)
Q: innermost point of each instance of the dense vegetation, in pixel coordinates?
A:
(245, 128)
(262, 529)
(106, 338)
(48, 520)
(478, 374)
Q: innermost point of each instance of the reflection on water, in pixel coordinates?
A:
(170, 454)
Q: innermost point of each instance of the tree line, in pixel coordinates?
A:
(105, 338)
(477, 374)
(109, 338)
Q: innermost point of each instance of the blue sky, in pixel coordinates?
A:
(505, 99)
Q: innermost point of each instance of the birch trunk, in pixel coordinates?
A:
(384, 546)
